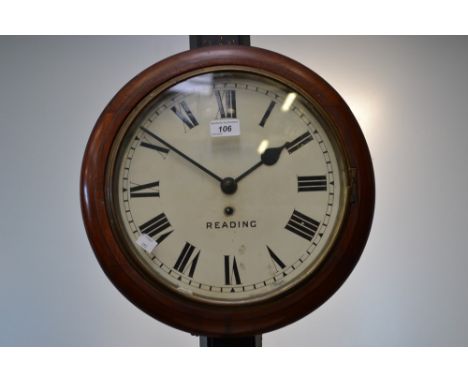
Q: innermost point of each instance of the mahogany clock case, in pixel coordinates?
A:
(202, 318)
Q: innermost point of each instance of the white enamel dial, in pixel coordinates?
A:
(229, 188)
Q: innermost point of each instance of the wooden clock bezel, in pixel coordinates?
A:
(203, 318)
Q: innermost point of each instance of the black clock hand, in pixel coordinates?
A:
(269, 157)
(218, 178)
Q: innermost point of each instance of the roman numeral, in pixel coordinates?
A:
(154, 147)
(155, 226)
(145, 190)
(185, 114)
(311, 183)
(267, 113)
(185, 258)
(276, 259)
(302, 225)
(231, 272)
(160, 239)
(226, 107)
(298, 142)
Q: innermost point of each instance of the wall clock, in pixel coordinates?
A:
(227, 191)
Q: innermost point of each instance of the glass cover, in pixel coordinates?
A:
(228, 187)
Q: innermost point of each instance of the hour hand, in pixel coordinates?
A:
(269, 157)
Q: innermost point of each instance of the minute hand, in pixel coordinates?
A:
(269, 158)
(218, 178)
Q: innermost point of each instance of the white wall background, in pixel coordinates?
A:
(410, 95)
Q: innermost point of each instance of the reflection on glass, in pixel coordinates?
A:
(288, 101)
(202, 85)
(262, 146)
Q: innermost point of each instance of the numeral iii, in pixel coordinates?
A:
(311, 183)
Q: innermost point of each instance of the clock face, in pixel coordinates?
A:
(228, 187)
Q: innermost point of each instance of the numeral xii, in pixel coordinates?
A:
(226, 107)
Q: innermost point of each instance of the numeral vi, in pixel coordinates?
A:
(231, 271)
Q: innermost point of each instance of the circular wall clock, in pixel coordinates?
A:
(227, 191)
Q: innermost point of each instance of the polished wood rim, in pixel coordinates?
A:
(209, 319)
